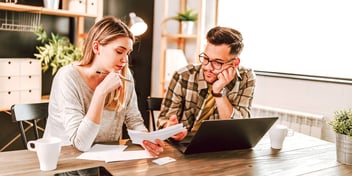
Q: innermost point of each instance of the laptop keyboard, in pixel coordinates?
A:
(187, 140)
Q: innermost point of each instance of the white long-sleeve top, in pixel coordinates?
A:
(70, 98)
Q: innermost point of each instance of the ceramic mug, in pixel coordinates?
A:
(278, 134)
(48, 151)
(51, 4)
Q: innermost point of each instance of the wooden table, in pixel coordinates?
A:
(300, 155)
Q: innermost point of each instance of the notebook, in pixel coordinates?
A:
(221, 135)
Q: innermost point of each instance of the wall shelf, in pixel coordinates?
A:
(185, 36)
(34, 13)
(179, 40)
(41, 10)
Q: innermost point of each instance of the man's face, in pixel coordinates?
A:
(218, 59)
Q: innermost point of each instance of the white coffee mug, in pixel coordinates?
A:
(48, 151)
(277, 135)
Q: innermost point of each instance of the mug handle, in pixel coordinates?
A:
(30, 144)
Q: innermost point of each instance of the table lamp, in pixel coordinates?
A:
(137, 24)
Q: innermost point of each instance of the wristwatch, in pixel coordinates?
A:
(222, 93)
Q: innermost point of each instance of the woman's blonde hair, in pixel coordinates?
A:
(104, 31)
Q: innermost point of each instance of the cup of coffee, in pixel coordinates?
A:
(278, 134)
(48, 151)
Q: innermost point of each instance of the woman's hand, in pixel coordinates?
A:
(154, 148)
(111, 82)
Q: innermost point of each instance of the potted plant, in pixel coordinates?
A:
(187, 20)
(56, 51)
(342, 125)
(188, 15)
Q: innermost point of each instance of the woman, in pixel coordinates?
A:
(90, 100)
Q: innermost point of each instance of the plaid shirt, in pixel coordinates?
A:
(188, 90)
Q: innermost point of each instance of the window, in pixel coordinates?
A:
(308, 37)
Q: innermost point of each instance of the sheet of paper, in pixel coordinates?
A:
(111, 153)
(102, 147)
(164, 160)
(101, 152)
(128, 155)
(137, 136)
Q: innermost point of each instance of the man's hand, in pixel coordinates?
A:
(224, 78)
(173, 121)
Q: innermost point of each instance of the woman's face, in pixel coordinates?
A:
(114, 55)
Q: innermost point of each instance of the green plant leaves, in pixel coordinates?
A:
(342, 122)
(188, 15)
(56, 51)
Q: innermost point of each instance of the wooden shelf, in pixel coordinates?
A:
(178, 40)
(185, 36)
(41, 10)
(79, 28)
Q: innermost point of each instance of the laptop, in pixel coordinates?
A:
(221, 135)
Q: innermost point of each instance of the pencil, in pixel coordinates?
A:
(121, 77)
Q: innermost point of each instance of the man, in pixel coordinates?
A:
(218, 88)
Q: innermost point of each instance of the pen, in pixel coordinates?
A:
(121, 77)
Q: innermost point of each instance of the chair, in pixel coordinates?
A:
(153, 104)
(31, 114)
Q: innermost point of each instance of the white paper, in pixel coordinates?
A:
(111, 153)
(102, 147)
(128, 155)
(101, 152)
(164, 160)
(137, 137)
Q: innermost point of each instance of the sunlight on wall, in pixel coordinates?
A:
(311, 37)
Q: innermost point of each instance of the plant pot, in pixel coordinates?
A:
(344, 149)
(51, 4)
(47, 81)
(187, 27)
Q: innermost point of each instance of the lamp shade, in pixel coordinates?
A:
(137, 25)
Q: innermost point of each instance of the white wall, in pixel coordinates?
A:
(155, 91)
(310, 37)
(301, 37)
(305, 96)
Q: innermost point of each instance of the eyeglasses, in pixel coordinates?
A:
(205, 60)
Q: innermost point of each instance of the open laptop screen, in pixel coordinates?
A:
(219, 135)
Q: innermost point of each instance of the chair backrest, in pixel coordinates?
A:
(30, 114)
(153, 104)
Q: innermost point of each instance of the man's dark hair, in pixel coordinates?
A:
(224, 35)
